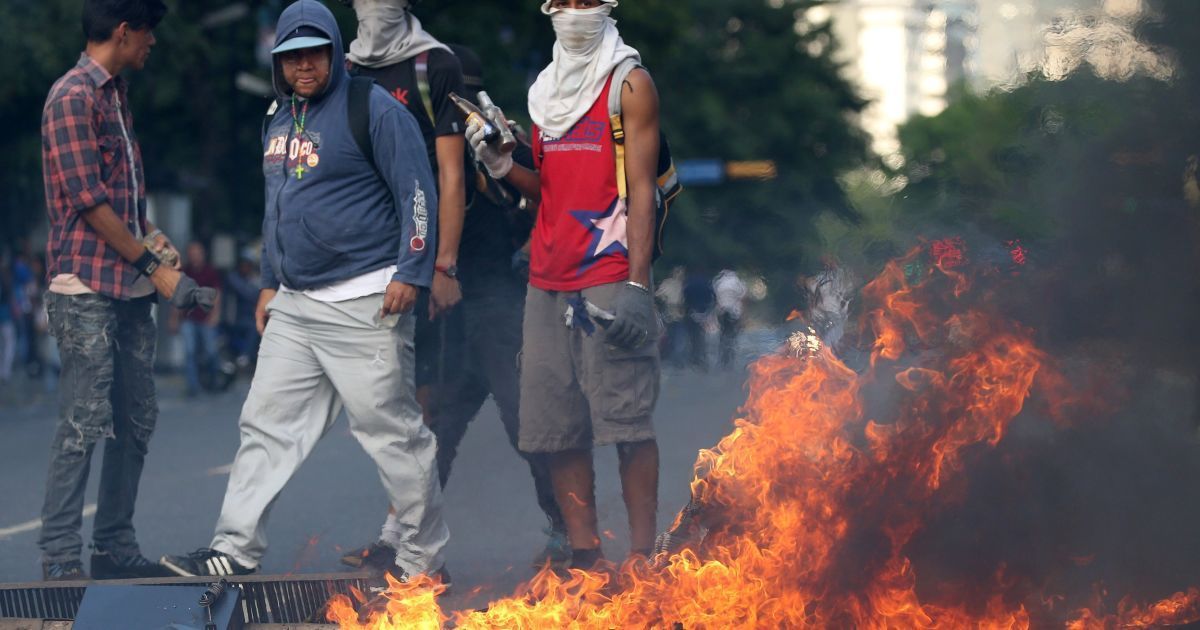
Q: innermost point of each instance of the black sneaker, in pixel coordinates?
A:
(587, 559)
(63, 571)
(205, 562)
(377, 555)
(443, 576)
(108, 566)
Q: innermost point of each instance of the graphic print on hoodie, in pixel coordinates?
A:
(335, 218)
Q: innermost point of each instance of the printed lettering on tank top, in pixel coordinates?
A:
(586, 135)
(299, 153)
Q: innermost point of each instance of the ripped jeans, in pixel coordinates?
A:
(106, 392)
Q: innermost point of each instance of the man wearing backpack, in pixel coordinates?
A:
(392, 48)
(421, 73)
(347, 242)
(487, 325)
(592, 381)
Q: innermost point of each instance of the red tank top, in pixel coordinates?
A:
(579, 239)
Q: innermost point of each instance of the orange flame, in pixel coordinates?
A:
(810, 502)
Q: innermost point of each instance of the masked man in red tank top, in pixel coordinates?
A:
(584, 381)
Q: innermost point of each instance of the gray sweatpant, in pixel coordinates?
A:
(316, 357)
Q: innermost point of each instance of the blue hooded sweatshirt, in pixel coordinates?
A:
(329, 216)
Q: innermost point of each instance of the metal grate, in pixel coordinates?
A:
(265, 598)
(40, 603)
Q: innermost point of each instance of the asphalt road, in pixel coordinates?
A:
(336, 502)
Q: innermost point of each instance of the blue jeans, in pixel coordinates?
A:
(106, 392)
(198, 338)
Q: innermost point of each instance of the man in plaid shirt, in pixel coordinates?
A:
(103, 282)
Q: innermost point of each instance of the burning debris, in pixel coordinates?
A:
(804, 344)
(829, 295)
(805, 514)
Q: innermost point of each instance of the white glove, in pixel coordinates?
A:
(498, 162)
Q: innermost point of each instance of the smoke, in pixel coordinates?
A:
(1080, 504)
(1104, 40)
(1086, 504)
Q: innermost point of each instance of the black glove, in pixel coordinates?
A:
(189, 295)
(634, 310)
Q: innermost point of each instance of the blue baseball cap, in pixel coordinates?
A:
(303, 37)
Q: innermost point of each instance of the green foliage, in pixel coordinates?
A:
(736, 82)
(741, 84)
(735, 78)
(198, 133)
(1092, 175)
(29, 62)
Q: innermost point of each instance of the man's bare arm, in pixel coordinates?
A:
(452, 197)
(528, 182)
(445, 291)
(639, 107)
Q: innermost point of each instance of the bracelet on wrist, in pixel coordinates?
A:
(154, 234)
(147, 263)
(638, 285)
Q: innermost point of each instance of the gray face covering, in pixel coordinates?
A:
(388, 33)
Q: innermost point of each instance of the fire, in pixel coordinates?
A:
(803, 515)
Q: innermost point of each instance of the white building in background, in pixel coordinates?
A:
(906, 55)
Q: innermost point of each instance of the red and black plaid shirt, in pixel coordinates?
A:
(85, 163)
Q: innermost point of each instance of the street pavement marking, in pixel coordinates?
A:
(28, 526)
(220, 470)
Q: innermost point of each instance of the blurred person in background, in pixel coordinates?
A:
(242, 284)
(670, 297)
(581, 385)
(698, 301)
(199, 329)
(730, 292)
(25, 288)
(8, 327)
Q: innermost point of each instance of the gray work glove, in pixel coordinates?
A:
(497, 162)
(189, 295)
(635, 319)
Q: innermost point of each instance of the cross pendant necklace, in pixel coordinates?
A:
(298, 123)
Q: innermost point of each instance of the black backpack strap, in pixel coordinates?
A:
(358, 108)
(268, 117)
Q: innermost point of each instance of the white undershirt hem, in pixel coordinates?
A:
(70, 284)
(370, 283)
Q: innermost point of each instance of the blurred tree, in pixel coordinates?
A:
(29, 62)
(1018, 163)
(738, 79)
(1093, 174)
(198, 133)
(750, 80)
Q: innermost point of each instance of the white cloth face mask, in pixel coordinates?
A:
(579, 31)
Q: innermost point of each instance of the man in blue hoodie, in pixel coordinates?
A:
(346, 244)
